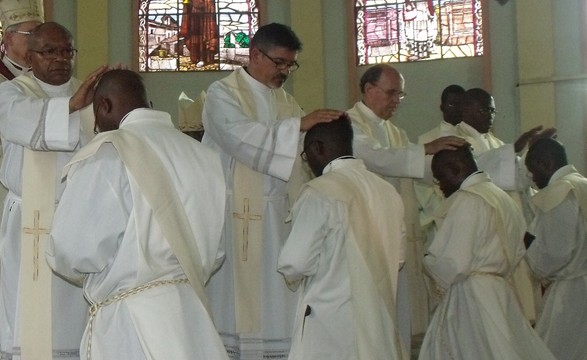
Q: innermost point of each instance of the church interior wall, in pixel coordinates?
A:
(497, 71)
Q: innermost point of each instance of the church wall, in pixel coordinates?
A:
(497, 71)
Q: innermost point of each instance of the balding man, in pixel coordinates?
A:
(44, 120)
(387, 151)
(558, 254)
(149, 203)
(344, 252)
(475, 251)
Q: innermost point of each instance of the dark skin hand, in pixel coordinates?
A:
(84, 95)
(530, 136)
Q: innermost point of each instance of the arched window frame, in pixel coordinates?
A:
(139, 56)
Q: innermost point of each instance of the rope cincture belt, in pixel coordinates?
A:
(94, 308)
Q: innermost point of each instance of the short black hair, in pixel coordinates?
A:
(451, 89)
(371, 76)
(276, 35)
(33, 38)
(337, 134)
(477, 95)
(460, 157)
(547, 149)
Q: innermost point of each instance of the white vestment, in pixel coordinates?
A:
(558, 256)
(387, 151)
(477, 246)
(41, 125)
(268, 144)
(322, 253)
(10, 66)
(117, 244)
(508, 172)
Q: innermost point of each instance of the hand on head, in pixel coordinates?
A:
(84, 95)
(444, 143)
(530, 136)
(319, 116)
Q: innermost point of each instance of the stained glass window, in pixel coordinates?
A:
(415, 30)
(195, 35)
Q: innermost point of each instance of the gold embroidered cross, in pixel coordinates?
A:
(246, 216)
(36, 231)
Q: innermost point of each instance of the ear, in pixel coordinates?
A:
(28, 57)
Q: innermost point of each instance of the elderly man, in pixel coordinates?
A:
(257, 127)
(41, 126)
(558, 253)
(146, 240)
(17, 18)
(475, 251)
(387, 151)
(344, 253)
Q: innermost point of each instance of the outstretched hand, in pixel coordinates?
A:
(530, 136)
(444, 143)
(319, 116)
(84, 95)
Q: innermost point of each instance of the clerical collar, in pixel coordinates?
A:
(16, 66)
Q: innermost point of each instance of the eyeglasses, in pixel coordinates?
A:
(392, 92)
(281, 64)
(303, 154)
(22, 32)
(487, 111)
(54, 53)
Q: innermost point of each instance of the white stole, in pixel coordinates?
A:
(248, 206)
(38, 206)
(155, 184)
(373, 260)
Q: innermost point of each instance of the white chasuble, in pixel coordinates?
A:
(34, 325)
(256, 130)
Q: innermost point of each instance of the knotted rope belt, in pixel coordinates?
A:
(94, 308)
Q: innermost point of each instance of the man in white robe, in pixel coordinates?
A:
(17, 20)
(256, 126)
(476, 249)
(347, 232)
(40, 114)
(429, 196)
(145, 304)
(387, 151)
(558, 253)
(504, 164)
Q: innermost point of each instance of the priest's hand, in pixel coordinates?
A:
(84, 95)
(319, 116)
(530, 136)
(444, 143)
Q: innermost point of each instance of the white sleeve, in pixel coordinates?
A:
(557, 238)
(451, 253)
(395, 162)
(269, 149)
(38, 124)
(91, 217)
(299, 257)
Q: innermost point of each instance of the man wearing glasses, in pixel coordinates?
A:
(17, 20)
(256, 126)
(387, 151)
(44, 120)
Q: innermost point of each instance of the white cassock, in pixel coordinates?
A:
(470, 258)
(319, 254)
(269, 145)
(14, 70)
(116, 244)
(387, 151)
(42, 125)
(558, 256)
(429, 195)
